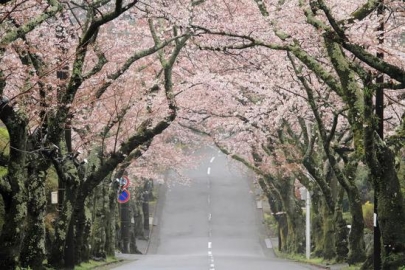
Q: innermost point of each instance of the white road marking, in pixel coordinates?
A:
(209, 245)
(209, 253)
(209, 217)
(209, 170)
(212, 159)
(268, 243)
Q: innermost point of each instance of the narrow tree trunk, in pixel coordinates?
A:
(125, 228)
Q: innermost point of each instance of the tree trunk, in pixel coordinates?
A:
(329, 230)
(70, 246)
(99, 228)
(33, 252)
(125, 227)
(356, 235)
(391, 212)
(15, 213)
(316, 224)
(295, 220)
(342, 232)
(82, 226)
(14, 195)
(112, 210)
(57, 255)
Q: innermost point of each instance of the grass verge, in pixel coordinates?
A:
(94, 264)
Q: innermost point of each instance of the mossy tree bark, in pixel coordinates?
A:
(346, 178)
(13, 187)
(391, 209)
(295, 219)
(33, 252)
(342, 231)
(68, 173)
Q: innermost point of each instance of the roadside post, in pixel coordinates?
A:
(306, 196)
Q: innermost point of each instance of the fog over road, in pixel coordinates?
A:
(210, 224)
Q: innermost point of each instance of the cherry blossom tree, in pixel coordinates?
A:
(326, 37)
(58, 116)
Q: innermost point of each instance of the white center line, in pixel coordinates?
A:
(212, 159)
(209, 245)
(209, 217)
(209, 170)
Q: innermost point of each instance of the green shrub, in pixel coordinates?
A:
(368, 215)
(4, 141)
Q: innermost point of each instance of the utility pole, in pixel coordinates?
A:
(308, 224)
(379, 111)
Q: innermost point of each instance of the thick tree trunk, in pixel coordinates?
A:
(329, 230)
(99, 226)
(34, 253)
(391, 212)
(112, 210)
(295, 220)
(342, 231)
(13, 188)
(70, 247)
(15, 213)
(82, 224)
(57, 254)
(356, 235)
(317, 224)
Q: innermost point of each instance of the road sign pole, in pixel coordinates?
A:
(308, 225)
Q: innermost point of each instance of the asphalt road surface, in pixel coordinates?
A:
(210, 224)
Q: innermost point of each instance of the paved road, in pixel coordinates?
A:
(211, 224)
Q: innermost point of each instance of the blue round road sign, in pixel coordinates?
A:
(124, 196)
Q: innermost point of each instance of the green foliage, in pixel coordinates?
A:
(95, 264)
(363, 184)
(51, 183)
(270, 222)
(347, 217)
(4, 141)
(353, 267)
(368, 215)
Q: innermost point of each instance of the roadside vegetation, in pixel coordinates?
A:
(100, 98)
